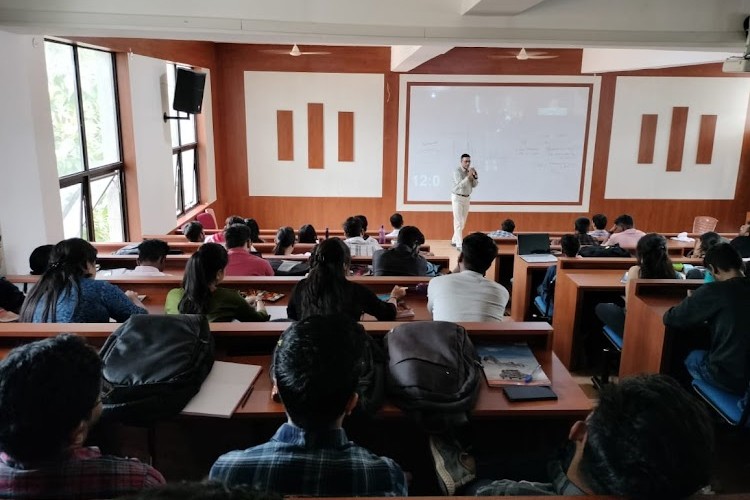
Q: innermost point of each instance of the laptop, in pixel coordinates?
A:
(535, 248)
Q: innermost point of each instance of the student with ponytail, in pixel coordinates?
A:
(68, 293)
(200, 293)
(652, 262)
(327, 291)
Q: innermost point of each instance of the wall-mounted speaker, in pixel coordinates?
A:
(188, 91)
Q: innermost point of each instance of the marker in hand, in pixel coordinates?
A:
(528, 378)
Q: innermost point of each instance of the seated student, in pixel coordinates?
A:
(307, 234)
(467, 295)
(723, 306)
(570, 246)
(152, 256)
(707, 240)
(201, 294)
(53, 387)
(326, 290)
(363, 221)
(39, 259)
(624, 234)
(356, 242)
(397, 222)
(67, 292)
(600, 223)
(241, 261)
(315, 370)
(652, 262)
(254, 231)
(742, 242)
(220, 236)
(403, 258)
(506, 230)
(647, 438)
(284, 246)
(582, 225)
(193, 231)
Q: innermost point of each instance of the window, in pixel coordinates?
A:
(83, 101)
(184, 153)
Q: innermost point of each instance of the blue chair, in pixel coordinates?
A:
(545, 308)
(725, 403)
(615, 339)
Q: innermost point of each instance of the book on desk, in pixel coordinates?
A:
(224, 390)
(511, 364)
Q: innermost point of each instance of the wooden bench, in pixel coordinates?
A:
(188, 247)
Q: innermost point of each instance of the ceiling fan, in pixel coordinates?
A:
(295, 52)
(522, 55)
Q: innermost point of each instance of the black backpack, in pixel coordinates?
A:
(433, 373)
(154, 365)
(602, 251)
(371, 384)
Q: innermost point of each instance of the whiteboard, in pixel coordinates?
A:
(527, 140)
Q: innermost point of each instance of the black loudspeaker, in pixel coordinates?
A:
(188, 91)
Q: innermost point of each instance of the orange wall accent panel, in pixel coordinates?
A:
(346, 136)
(284, 135)
(315, 147)
(677, 138)
(648, 138)
(706, 136)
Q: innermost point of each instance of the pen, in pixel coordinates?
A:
(528, 378)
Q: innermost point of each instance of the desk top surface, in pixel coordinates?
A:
(597, 278)
(491, 402)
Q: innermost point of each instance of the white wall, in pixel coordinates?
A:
(30, 213)
(153, 145)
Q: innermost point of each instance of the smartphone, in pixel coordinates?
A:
(529, 393)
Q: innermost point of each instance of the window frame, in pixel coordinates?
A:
(85, 177)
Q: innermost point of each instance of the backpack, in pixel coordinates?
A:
(371, 384)
(154, 365)
(602, 251)
(433, 373)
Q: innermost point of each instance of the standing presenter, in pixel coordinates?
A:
(465, 179)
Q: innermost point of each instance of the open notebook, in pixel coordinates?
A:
(223, 390)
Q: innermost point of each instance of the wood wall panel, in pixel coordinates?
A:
(648, 139)
(315, 137)
(346, 136)
(706, 135)
(285, 135)
(232, 60)
(677, 138)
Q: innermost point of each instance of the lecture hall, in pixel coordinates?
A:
(227, 229)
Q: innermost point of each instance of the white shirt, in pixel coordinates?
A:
(358, 246)
(393, 234)
(138, 271)
(466, 296)
(463, 183)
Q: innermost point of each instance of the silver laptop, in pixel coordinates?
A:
(535, 248)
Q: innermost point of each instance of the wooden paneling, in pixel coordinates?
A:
(315, 137)
(706, 135)
(285, 135)
(677, 138)
(228, 63)
(346, 136)
(648, 139)
(127, 133)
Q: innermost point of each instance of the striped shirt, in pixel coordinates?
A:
(85, 474)
(325, 464)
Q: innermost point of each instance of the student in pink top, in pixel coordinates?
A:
(220, 236)
(241, 262)
(624, 234)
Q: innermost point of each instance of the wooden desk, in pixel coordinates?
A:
(156, 288)
(188, 247)
(570, 289)
(646, 340)
(175, 264)
(491, 403)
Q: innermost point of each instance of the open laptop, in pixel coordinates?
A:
(535, 248)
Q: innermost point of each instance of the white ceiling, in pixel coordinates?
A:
(704, 25)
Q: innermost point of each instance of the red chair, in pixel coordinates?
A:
(208, 220)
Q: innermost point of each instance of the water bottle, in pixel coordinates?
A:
(381, 235)
(326, 232)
